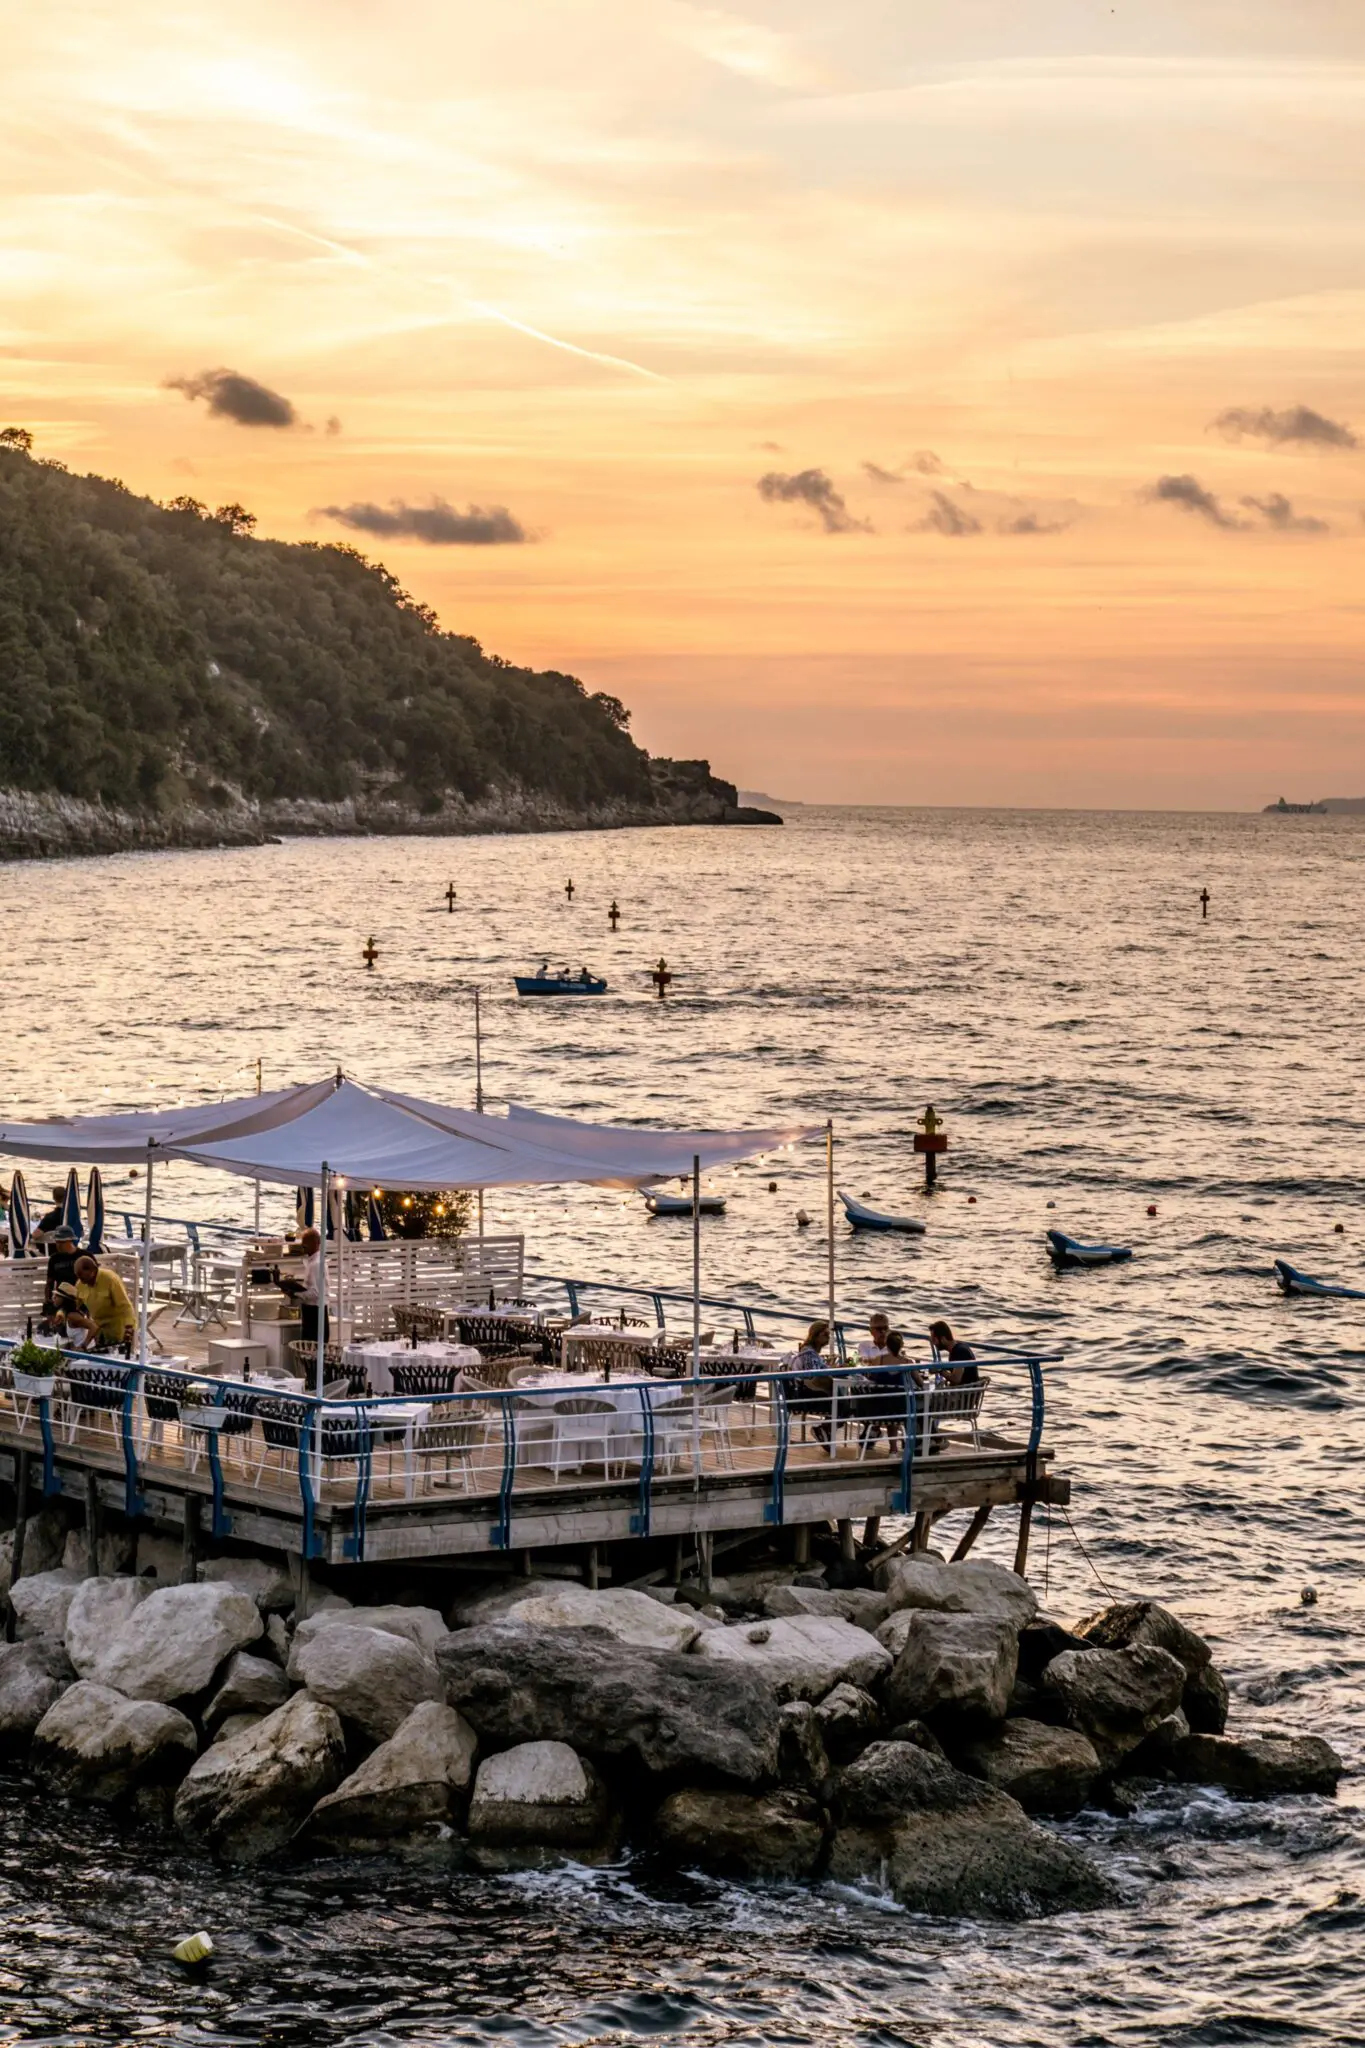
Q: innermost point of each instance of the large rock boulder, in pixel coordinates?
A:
(1257, 1766)
(1039, 1643)
(804, 1760)
(44, 1545)
(114, 1552)
(946, 1844)
(854, 1604)
(626, 1615)
(266, 1580)
(954, 1668)
(802, 1656)
(975, 1586)
(247, 1685)
(41, 1603)
(536, 1804)
(245, 1797)
(1048, 1770)
(97, 1612)
(484, 1605)
(411, 1792)
(95, 1744)
(1133, 1624)
(670, 1715)
(848, 1719)
(738, 1593)
(371, 1678)
(742, 1834)
(174, 1640)
(33, 1675)
(1116, 1697)
(421, 1626)
(1205, 1700)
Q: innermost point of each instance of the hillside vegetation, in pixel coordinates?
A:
(152, 657)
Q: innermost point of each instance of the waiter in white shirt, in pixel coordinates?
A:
(304, 1292)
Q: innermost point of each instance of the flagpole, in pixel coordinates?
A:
(146, 1289)
(829, 1225)
(696, 1314)
(478, 1093)
(322, 1284)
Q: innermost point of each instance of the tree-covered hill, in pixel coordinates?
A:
(157, 656)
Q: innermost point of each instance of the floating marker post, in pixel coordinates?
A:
(568, 888)
(931, 1139)
(1204, 901)
(450, 897)
(661, 977)
(613, 915)
(370, 953)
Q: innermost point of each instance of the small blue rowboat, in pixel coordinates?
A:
(863, 1218)
(584, 984)
(1291, 1281)
(1066, 1251)
(681, 1205)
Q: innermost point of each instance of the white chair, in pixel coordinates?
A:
(579, 1428)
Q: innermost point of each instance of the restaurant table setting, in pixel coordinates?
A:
(379, 1355)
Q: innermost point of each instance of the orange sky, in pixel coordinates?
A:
(608, 264)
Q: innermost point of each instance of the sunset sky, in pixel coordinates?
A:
(955, 401)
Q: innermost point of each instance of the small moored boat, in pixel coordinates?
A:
(561, 984)
(681, 1205)
(863, 1218)
(1291, 1281)
(1068, 1251)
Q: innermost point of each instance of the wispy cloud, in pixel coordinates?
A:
(1031, 522)
(231, 396)
(1190, 495)
(953, 521)
(1295, 425)
(1277, 511)
(878, 475)
(812, 487)
(438, 524)
(924, 462)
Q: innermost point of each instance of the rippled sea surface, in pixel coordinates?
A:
(1047, 982)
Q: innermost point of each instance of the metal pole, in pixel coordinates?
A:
(696, 1315)
(258, 1185)
(829, 1225)
(146, 1289)
(322, 1284)
(478, 1095)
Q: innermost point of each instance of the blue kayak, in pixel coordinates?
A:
(559, 985)
(1291, 1281)
(1068, 1251)
(863, 1218)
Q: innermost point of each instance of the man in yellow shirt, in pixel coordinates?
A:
(105, 1313)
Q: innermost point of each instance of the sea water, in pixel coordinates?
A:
(1095, 1046)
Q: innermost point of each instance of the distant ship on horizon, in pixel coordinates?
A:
(1320, 808)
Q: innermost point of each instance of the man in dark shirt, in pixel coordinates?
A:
(960, 1368)
(61, 1263)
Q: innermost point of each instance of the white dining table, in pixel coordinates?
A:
(614, 1436)
(379, 1355)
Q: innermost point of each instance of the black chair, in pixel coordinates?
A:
(808, 1397)
(163, 1393)
(494, 1336)
(423, 1376)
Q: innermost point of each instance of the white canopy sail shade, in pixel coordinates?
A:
(122, 1140)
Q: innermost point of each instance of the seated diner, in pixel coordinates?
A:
(104, 1312)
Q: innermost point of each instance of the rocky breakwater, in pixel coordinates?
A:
(918, 1736)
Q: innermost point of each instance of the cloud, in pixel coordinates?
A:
(947, 518)
(880, 475)
(812, 487)
(332, 426)
(1029, 522)
(438, 524)
(1277, 511)
(231, 396)
(1191, 496)
(925, 463)
(1296, 424)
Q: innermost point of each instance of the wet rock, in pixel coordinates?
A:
(956, 1668)
(95, 1744)
(948, 1845)
(672, 1715)
(802, 1656)
(1154, 1756)
(244, 1798)
(248, 1685)
(803, 1758)
(1039, 1643)
(848, 1719)
(625, 1615)
(1116, 1697)
(33, 1675)
(1048, 1770)
(371, 1678)
(1132, 1624)
(421, 1626)
(97, 1612)
(411, 1792)
(742, 1834)
(975, 1586)
(1205, 1700)
(41, 1603)
(266, 1580)
(920, 1734)
(173, 1641)
(1258, 1766)
(536, 1804)
(863, 1609)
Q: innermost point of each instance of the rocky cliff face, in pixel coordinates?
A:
(47, 826)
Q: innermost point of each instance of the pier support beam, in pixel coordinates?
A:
(872, 1529)
(848, 1549)
(971, 1532)
(1021, 1548)
(801, 1545)
(590, 1568)
(924, 1522)
(189, 1541)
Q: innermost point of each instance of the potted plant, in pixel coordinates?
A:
(34, 1370)
(202, 1407)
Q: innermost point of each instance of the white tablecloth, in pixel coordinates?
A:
(572, 1441)
(379, 1356)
